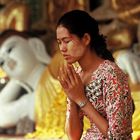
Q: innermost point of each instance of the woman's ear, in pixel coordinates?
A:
(86, 39)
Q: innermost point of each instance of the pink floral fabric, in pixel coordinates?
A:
(110, 95)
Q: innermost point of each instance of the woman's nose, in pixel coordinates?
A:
(63, 47)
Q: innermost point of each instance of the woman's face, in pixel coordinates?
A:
(71, 47)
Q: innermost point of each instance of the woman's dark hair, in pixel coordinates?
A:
(79, 22)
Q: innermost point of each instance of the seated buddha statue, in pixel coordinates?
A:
(14, 15)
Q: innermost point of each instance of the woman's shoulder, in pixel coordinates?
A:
(111, 68)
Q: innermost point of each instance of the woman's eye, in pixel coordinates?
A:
(66, 41)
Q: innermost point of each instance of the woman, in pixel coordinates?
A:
(98, 89)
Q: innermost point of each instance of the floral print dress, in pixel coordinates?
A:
(110, 95)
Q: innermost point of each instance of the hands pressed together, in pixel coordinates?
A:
(72, 83)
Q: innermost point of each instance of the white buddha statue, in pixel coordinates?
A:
(23, 60)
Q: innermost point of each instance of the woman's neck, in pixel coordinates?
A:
(90, 61)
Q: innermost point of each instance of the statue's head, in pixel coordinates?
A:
(19, 54)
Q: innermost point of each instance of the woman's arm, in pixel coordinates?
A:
(74, 122)
(93, 115)
(74, 89)
(119, 106)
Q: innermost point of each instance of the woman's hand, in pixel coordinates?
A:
(72, 83)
